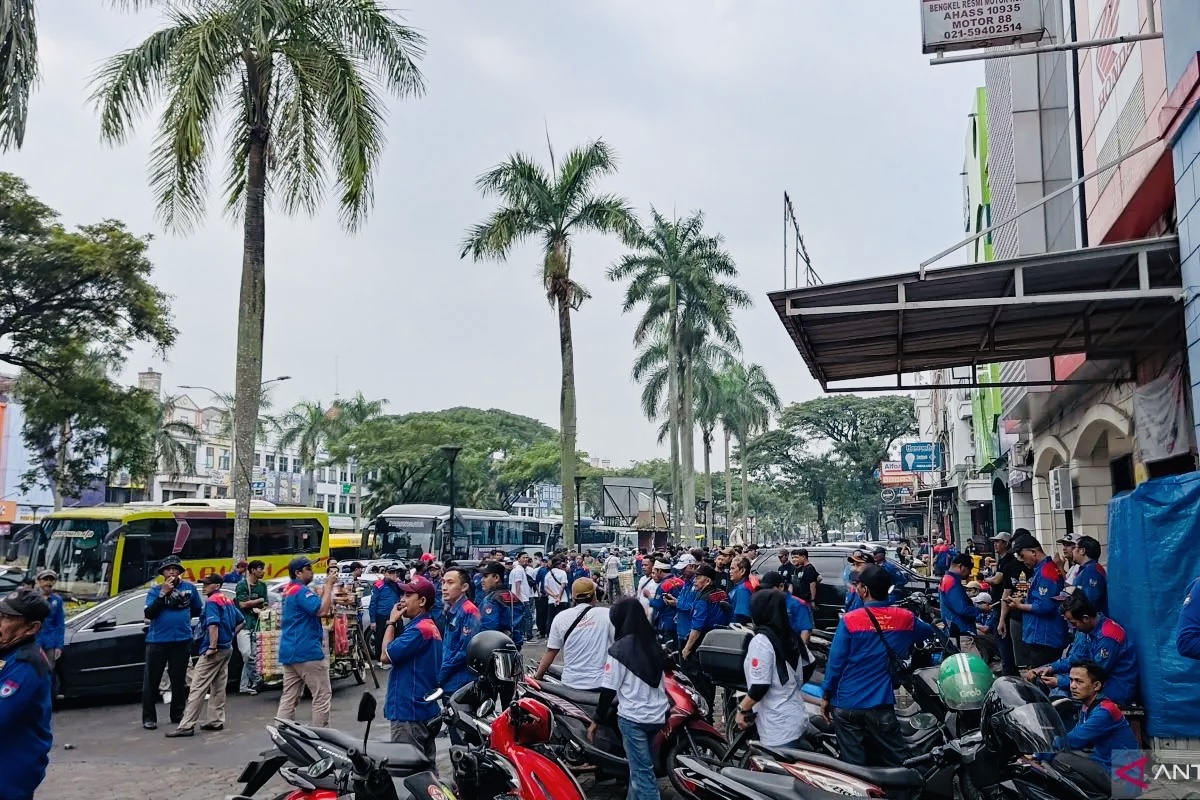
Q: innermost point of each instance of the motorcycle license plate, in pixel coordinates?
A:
(426, 786)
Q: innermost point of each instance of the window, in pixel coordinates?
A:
(343, 478)
(131, 612)
(258, 459)
(296, 467)
(319, 501)
(270, 462)
(223, 461)
(324, 475)
(351, 507)
(353, 477)
(209, 455)
(342, 504)
(331, 504)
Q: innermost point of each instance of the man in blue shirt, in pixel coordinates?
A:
(1101, 725)
(1043, 629)
(739, 596)
(1092, 578)
(958, 611)
(684, 599)
(302, 642)
(239, 572)
(25, 734)
(664, 612)
(219, 624)
(384, 597)
(899, 579)
(859, 692)
(52, 636)
(500, 609)
(1100, 641)
(170, 606)
(856, 562)
(462, 623)
(710, 609)
(413, 646)
(1187, 631)
(800, 618)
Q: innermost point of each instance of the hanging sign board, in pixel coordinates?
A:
(971, 24)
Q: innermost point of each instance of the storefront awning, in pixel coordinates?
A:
(1102, 301)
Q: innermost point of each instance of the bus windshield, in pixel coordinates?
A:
(81, 551)
(403, 538)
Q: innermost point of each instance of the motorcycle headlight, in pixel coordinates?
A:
(701, 703)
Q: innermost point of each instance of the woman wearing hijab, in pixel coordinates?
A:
(633, 677)
(773, 698)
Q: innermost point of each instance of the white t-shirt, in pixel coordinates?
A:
(781, 715)
(519, 584)
(554, 585)
(587, 648)
(637, 701)
(612, 567)
(647, 586)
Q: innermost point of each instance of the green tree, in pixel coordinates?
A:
(751, 399)
(780, 457)
(63, 287)
(300, 83)
(551, 206)
(18, 54)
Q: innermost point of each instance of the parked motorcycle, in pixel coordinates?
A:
(327, 764)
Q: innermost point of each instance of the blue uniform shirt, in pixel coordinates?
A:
(1044, 625)
(384, 597)
(684, 602)
(853, 598)
(416, 656)
(300, 634)
(1109, 647)
(957, 609)
(52, 636)
(219, 610)
(664, 613)
(899, 579)
(740, 598)
(501, 611)
(24, 719)
(462, 622)
(1187, 632)
(857, 675)
(708, 611)
(800, 616)
(171, 616)
(1092, 580)
(1102, 727)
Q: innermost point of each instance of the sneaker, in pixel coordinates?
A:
(180, 733)
(150, 726)
(250, 692)
(213, 726)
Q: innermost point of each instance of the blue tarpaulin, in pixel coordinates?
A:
(1153, 541)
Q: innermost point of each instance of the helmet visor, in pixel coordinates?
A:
(1034, 727)
(507, 665)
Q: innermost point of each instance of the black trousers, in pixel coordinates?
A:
(541, 613)
(875, 728)
(552, 611)
(381, 624)
(1041, 655)
(703, 684)
(172, 656)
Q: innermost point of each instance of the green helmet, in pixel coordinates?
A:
(963, 682)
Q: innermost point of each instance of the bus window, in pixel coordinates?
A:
(307, 535)
(270, 537)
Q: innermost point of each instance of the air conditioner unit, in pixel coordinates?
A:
(1020, 450)
(1062, 494)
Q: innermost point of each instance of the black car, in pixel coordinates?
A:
(830, 561)
(105, 648)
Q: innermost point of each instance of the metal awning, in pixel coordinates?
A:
(1102, 301)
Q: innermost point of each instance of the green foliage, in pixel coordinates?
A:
(18, 55)
(64, 287)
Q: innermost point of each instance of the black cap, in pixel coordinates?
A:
(706, 571)
(170, 561)
(213, 580)
(492, 568)
(26, 603)
(1024, 541)
(771, 580)
(879, 551)
(876, 579)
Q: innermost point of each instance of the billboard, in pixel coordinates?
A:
(948, 25)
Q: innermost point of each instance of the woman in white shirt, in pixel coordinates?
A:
(773, 701)
(633, 677)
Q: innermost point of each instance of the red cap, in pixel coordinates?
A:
(420, 586)
(427, 557)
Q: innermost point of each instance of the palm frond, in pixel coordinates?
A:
(18, 68)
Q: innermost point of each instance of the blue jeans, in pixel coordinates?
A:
(639, 750)
(527, 620)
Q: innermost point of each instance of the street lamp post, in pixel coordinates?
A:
(667, 496)
(578, 506)
(451, 452)
(703, 506)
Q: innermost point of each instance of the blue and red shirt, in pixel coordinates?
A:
(710, 610)
(1109, 647)
(171, 615)
(1092, 580)
(25, 683)
(462, 622)
(416, 658)
(857, 674)
(54, 628)
(1187, 631)
(301, 636)
(684, 603)
(739, 597)
(1102, 727)
(384, 596)
(664, 613)
(502, 611)
(800, 616)
(219, 610)
(1043, 624)
(957, 609)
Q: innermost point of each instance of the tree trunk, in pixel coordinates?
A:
(567, 419)
(745, 489)
(673, 410)
(708, 489)
(251, 317)
(728, 491)
(687, 441)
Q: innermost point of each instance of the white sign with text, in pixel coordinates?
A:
(971, 24)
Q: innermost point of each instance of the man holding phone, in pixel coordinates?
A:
(302, 642)
(170, 606)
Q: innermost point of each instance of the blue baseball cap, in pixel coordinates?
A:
(299, 563)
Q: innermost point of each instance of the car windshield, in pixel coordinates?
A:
(81, 552)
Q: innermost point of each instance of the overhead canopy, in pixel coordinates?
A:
(1103, 301)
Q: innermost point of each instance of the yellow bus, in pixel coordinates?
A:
(344, 546)
(104, 550)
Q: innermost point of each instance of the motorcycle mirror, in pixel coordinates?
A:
(437, 695)
(367, 707)
(487, 707)
(321, 768)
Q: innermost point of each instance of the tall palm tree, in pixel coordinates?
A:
(18, 68)
(749, 401)
(551, 206)
(677, 271)
(305, 427)
(300, 83)
(174, 442)
(709, 402)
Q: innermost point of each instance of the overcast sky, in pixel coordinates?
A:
(712, 104)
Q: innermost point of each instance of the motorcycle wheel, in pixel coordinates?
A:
(360, 676)
(708, 749)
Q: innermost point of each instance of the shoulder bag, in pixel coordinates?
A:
(896, 667)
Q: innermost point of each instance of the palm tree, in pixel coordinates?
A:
(305, 427)
(174, 442)
(18, 73)
(551, 207)
(709, 402)
(676, 270)
(749, 401)
(300, 81)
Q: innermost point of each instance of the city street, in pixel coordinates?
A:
(102, 753)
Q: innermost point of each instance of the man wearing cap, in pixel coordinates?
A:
(958, 611)
(1001, 585)
(685, 599)
(219, 625)
(302, 642)
(170, 606)
(1042, 629)
(710, 609)
(800, 619)
(25, 700)
(239, 572)
(384, 597)
(856, 562)
(413, 646)
(859, 691)
(899, 579)
(500, 610)
(664, 612)
(1064, 559)
(583, 635)
(52, 636)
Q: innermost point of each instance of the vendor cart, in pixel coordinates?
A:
(348, 650)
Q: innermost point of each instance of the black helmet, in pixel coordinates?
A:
(494, 654)
(170, 561)
(1018, 718)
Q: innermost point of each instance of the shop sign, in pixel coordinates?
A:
(1116, 67)
(948, 25)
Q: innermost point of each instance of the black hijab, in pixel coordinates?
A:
(636, 646)
(768, 612)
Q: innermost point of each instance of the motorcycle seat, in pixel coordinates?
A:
(883, 777)
(401, 758)
(583, 697)
(777, 787)
(1085, 771)
(820, 724)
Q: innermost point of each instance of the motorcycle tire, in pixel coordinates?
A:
(708, 749)
(360, 675)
